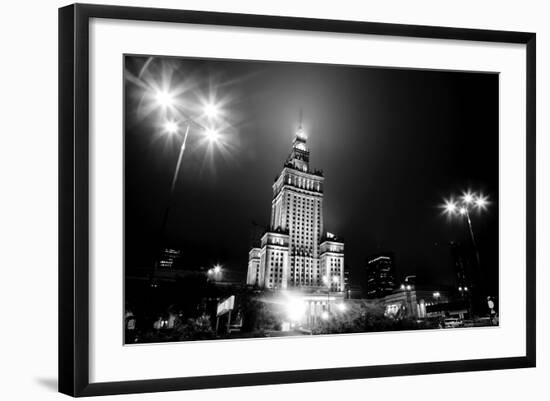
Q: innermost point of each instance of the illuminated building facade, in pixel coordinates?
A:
(169, 258)
(380, 276)
(415, 303)
(295, 252)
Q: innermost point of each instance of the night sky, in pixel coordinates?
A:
(392, 144)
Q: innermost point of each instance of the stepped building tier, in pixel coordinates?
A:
(295, 251)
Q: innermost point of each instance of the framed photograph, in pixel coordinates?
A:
(250, 199)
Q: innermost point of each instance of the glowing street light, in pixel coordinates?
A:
(465, 203)
(217, 269)
(468, 201)
(164, 98)
(342, 307)
(324, 315)
(212, 135)
(462, 291)
(450, 207)
(211, 110)
(166, 92)
(481, 202)
(171, 127)
(467, 197)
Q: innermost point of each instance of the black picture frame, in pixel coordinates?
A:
(74, 190)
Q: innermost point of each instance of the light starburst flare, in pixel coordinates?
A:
(465, 204)
(171, 127)
(211, 110)
(449, 207)
(164, 98)
(212, 135)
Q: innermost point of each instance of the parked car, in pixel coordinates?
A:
(452, 322)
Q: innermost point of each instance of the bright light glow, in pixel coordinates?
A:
(325, 279)
(217, 269)
(402, 286)
(459, 288)
(342, 307)
(164, 98)
(171, 127)
(481, 202)
(465, 288)
(296, 309)
(449, 207)
(210, 272)
(324, 315)
(212, 135)
(211, 110)
(467, 197)
(436, 294)
(301, 134)
(408, 287)
(467, 201)
(335, 279)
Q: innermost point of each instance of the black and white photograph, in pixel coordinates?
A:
(275, 201)
(269, 199)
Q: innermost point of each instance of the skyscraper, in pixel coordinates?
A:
(295, 252)
(380, 275)
(169, 258)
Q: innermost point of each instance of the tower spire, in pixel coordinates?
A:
(300, 135)
(299, 156)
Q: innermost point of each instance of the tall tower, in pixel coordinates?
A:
(294, 251)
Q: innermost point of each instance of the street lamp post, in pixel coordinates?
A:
(166, 101)
(172, 128)
(463, 207)
(466, 213)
